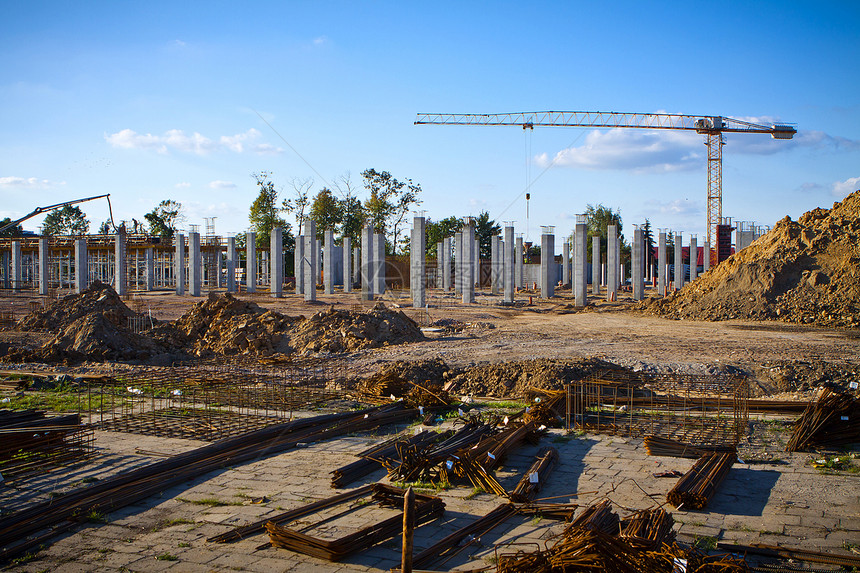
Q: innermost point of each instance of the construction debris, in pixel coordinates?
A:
(420, 383)
(696, 488)
(802, 272)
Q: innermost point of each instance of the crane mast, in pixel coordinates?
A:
(713, 127)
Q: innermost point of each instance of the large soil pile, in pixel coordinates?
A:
(90, 326)
(513, 379)
(344, 331)
(802, 272)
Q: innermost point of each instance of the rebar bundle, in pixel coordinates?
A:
(696, 487)
(649, 528)
(532, 481)
(31, 443)
(832, 420)
(657, 446)
(31, 527)
(599, 517)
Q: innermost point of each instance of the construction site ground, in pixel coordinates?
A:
(774, 498)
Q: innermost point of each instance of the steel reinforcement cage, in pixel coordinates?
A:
(209, 400)
(710, 410)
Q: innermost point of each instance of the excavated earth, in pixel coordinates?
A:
(805, 271)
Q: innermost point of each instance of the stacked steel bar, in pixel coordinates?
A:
(31, 443)
(599, 517)
(696, 488)
(415, 463)
(532, 481)
(373, 458)
(832, 420)
(427, 508)
(657, 446)
(31, 527)
(649, 528)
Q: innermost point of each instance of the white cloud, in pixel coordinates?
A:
(632, 149)
(678, 207)
(320, 40)
(183, 185)
(222, 185)
(177, 44)
(178, 140)
(477, 203)
(842, 188)
(27, 183)
(810, 187)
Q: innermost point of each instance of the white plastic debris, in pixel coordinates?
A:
(534, 477)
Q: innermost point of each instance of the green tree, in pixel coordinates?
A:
(351, 208)
(69, 220)
(389, 202)
(438, 230)
(163, 220)
(485, 228)
(298, 205)
(648, 239)
(264, 214)
(598, 218)
(14, 231)
(326, 211)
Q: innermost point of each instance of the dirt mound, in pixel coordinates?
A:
(225, 325)
(420, 383)
(99, 298)
(513, 379)
(345, 331)
(806, 271)
(804, 375)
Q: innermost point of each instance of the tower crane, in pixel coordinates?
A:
(713, 127)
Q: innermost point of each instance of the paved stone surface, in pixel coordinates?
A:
(778, 502)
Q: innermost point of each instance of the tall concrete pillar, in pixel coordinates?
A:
(232, 263)
(417, 250)
(595, 265)
(580, 261)
(356, 265)
(518, 260)
(547, 265)
(310, 260)
(509, 264)
(446, 263)
(347, 264)
(120, 271)
(662, 271)
(495, 264)
(43, 266)
(476, 261)
(565, 265)
(679, 261)
(706, 262)
(195, 264)
(694, 258)
(150, 269)
(17, 266)
(328, 261)
(80, 265)
(179, 263)
(458, 263)
(611, 262)
(468, 285)
(7, 280)
(298, 262)
(379, 262)
(367, 284)
(276, 262)
(638, 278)
(439, 264)
(250, 261)
(619, 278)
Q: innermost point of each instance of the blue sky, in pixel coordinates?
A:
(185, 100)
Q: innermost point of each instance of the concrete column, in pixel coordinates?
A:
(595, 265)
(276, 263)
(476, 261)
(120, 273)
(662, 278)
(219, 267)
(150, 269)
(619, 278)
(310, 260)
(356, 265)
(379, 262)
(518, 260)
(347, 264)
(611, 261)
(80, 265)
(638, 274)
(367, 284)
(417, 250)
(439, 264)
(298, 261)
(679, 261)
(580, 262)
(179, 263)
(232, 263)
(694, 258)
(250, 261)
(7, 280)
(328, 261)
(547, 265)
(468, 285)
(43, 266)
(495, 264)
(264, 267)
(565, 265)
(509, 264)
(195, 265)
(17, 282)
(446, 263)
(706, 262)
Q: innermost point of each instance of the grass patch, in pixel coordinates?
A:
(167, 557)
(835, 463)
(179, 521)
(705, 542)
(208, 501)
(183, 544)
(475, 493)
(423, 486)
(95, 516)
